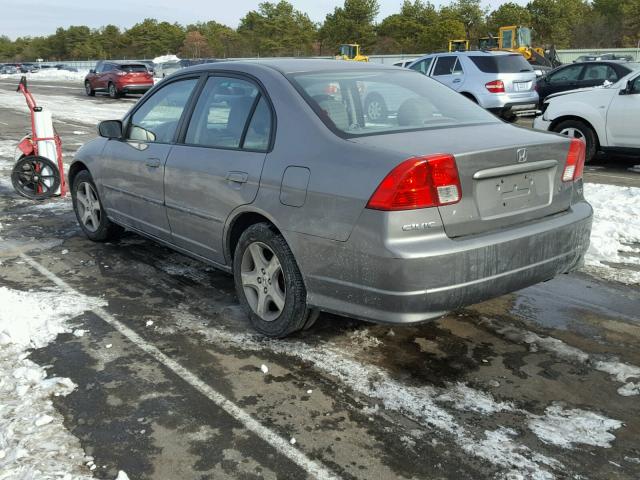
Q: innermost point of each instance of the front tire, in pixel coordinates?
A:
(268, 282)
(88, 90)
(578, 129)
(90, 213)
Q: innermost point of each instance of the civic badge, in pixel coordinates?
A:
(521, 154)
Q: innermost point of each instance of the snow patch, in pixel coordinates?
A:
(466, 398)
(33, 440)
(567, 427)
(615, 234)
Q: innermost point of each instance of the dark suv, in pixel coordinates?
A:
(118, 78)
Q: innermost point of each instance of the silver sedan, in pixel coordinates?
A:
(273, 171)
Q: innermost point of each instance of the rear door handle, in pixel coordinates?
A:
(457, 80)
(153, 162)
(238, 177)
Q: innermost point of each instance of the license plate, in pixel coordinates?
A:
(521, 86)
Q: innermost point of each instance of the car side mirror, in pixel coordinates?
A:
(110, 129)
(93, 70)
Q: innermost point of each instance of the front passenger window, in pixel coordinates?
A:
(157, 119)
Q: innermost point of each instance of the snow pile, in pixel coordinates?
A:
(615, 231)
(165, 59)
(566, 427)
(33, 440)
(50, 74)
(75, 109)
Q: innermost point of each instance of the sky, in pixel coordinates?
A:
(34, 18)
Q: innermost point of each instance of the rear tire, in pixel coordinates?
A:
(579, 129)
(268, 282)
(113, 91)
(375, 108)
(88, 90)
(90, 213)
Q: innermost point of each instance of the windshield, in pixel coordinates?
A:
(524, 37)
(371, 102)
(501, 63)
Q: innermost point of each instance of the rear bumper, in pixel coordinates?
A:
(134, 87)
(405, 284)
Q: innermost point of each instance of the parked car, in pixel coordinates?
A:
(501, 82)
(27, 67)
(68, 68)
(605, 118)
(583, 75)
(602, 56)
(398, 221)
(150, 66)
(118, 78)
(8, 70)
(404, 63)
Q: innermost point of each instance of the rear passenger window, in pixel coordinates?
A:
(259, 131)
(422, 66)
(222, 113)
(600, 73)
(444, 66)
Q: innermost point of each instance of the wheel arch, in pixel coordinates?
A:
(238, 222)
(564, 118)
(470, 96)
(75, 168)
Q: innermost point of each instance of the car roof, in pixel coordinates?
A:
(294, 65)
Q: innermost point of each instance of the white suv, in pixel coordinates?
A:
(502, 82)
(606, 118)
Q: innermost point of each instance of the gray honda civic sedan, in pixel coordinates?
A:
(272, 171)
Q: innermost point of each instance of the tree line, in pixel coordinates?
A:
(278, 29)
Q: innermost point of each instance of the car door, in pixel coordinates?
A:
(562, 80)
(102, 76)
(623, 128)
(133, 167)
(595, 74)
(218, 166)
(448, 70)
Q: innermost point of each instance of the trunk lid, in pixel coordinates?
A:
(507, 176)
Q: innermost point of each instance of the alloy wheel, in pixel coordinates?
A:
(573, 132)
(88, 206)
(263, 281)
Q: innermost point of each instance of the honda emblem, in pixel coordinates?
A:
(521, 154)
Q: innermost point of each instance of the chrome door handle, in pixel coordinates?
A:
(153, 162)
(238, 177)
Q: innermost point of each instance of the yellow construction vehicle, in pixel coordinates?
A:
(518, 39)
(351, 52)
(488, 43)
(458, 45)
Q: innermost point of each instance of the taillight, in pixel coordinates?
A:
(497, 86)
(419, 182)
(575, 161)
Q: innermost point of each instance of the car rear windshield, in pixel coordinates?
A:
(133, 68)
(371, 102)
(501, 63)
